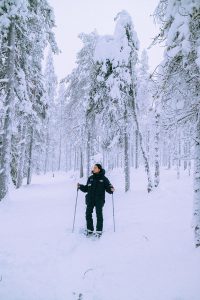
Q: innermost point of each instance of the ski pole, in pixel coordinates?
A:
(113, 212)
(75, 210)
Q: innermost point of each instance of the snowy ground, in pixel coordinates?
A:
(150, 256)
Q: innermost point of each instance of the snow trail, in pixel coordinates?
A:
(149, 257)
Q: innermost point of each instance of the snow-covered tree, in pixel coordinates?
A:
(117, 56)
(180, 31)
(12, 14)
(143, 105)
(79, 102)
(22, 46)
(50, 84)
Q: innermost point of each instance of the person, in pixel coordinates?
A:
(95, 188)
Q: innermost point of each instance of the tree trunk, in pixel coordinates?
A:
(59, 158)
(70, 157)
(74, 159)
(66, 158)
(178, 155)
(104, 160)
(146, 163)
(30, 152)
(197, 186)
(157, 165)
(88, 153)
(47, 149)
(179, 150)
(81, 164)
(21, 156)
(168, 154)
(6, 136)
(185, 163)
(189, 156)
(136, 149)
(53, 167)
(148, 146)
(126, 154)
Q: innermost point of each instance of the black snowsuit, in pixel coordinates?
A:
(95, 188)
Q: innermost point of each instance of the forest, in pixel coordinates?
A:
(110, 109)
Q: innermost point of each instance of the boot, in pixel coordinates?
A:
(98, 234)
(89, 232)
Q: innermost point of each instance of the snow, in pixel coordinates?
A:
(115, 48)
(180, 25)
(123, 19)
(16, 6)
(4, 80)
(150, 256)
(184, 7)
(176, 20)
(104, 48)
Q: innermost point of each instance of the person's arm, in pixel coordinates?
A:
(108, 186)
(83, 188)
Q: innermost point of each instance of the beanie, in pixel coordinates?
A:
(99, 166)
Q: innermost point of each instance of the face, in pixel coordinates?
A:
(95, 169)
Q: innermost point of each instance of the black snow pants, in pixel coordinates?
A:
(99, 215)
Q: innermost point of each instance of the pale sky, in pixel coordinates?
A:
(76, 16)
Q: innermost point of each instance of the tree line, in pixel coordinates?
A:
(110, 108)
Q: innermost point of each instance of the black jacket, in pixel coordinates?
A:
(95, 188)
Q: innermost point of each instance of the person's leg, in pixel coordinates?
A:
(99, 213)
(88, 215)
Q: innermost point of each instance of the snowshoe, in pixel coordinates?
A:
(98, 234)
(89, 233)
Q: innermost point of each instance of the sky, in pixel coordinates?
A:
(75, 16)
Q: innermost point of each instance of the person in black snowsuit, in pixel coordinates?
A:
(95, 188)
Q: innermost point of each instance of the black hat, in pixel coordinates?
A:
(99, 166)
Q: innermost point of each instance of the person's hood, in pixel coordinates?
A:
(101, 173)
